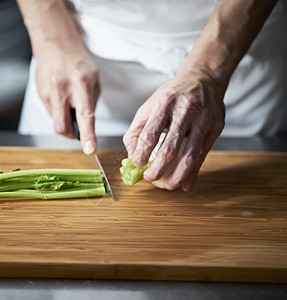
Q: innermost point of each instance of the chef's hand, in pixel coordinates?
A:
(69, 79)
(186, 107)
(66, 75)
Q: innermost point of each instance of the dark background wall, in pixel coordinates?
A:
(15, 54)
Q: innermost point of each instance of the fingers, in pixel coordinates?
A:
(130, 138)
(148, 138)
(79, 90)
(190, 179)
(83, 97)
(144, 131)
(157, 121)
(195, 151)
(68, 80)
(189, 159)
(60, 107)
(84, 100)
(181, 113)
(211, 137)
(169, 148)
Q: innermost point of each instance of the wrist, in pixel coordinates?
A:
(51, 26)
(226, 38)
(55, 43)
(192, 71)
(212, 60)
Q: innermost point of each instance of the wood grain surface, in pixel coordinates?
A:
(231, 227)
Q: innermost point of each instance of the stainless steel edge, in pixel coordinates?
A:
(107, 184)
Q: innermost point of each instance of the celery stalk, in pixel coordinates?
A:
(50, 195)
(52, 183)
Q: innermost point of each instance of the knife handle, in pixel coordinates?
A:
(75, 123)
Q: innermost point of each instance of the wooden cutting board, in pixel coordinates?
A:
(231, 227)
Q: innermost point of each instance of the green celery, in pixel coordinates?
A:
(52, 183)
(67, 173)
(50, 195)
(130, 173)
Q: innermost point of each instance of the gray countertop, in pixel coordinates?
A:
(10, 138)
(52, 289)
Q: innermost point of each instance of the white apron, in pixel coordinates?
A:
(140, 44)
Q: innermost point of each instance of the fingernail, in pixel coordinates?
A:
(188, 186)
(147, 177)
(171, 186)
(186, 189)
(89, 147)
(168, 186)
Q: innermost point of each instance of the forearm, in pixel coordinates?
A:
(226, 38)
(50, 23)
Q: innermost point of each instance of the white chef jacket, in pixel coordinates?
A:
(140, 44)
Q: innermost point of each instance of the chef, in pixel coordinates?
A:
(193, 69)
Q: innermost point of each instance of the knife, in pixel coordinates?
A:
(77, 135)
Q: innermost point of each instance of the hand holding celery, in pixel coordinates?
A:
(132, 174)
(52, 184)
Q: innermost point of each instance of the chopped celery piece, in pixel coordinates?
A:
(130, 173)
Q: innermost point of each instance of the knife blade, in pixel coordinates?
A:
(106, 181)
(77, 135)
